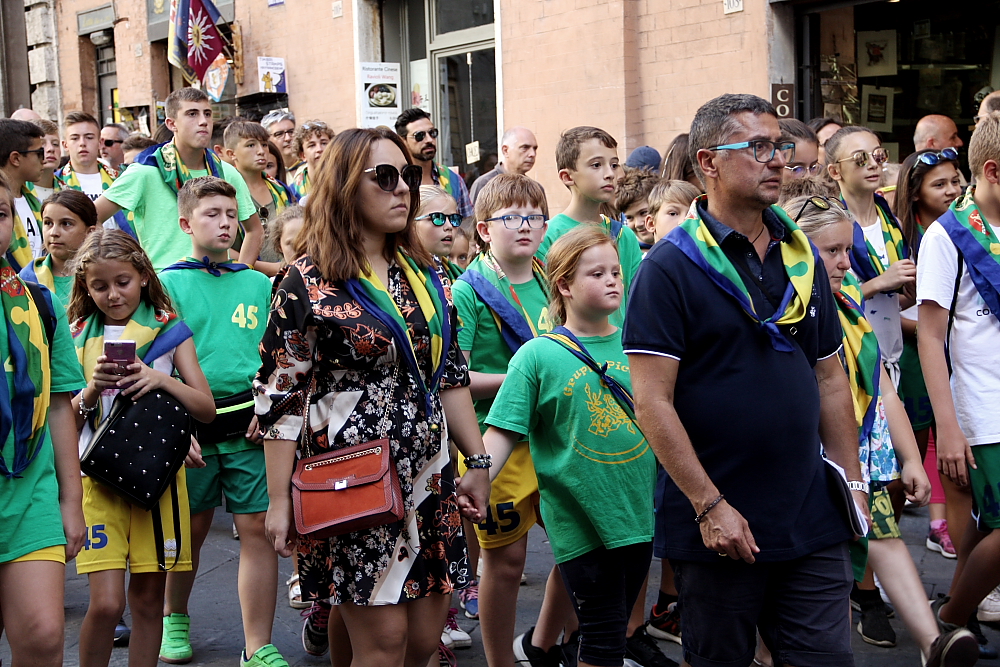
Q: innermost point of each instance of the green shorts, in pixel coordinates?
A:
(884, 524)
(985, 483)
(912, 390)
(241, 477)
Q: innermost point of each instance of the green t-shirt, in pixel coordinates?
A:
(141, 189)
(629, 254)
(30, 518)
(64, 289)
(228, 315)
(596, 472)
(480, 336)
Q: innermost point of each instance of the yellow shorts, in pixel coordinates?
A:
(513, 507)
(120, 535)
(56, 554)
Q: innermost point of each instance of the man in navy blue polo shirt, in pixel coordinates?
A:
(733, 336)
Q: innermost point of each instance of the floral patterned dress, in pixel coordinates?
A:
(317, 328)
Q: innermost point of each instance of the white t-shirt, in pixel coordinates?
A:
(882, 310)
(91, 185)
(27, 217)
(974, 341)
(43, 193)
(164, 364)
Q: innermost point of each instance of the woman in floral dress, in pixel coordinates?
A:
(362, 330)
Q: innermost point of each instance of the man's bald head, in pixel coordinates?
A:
(989, 104)
(518, 148)
(935, 132)
(25, 114)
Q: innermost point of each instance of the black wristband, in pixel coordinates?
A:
(704, 512)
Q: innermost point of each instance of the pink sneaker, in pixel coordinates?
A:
(939, 540)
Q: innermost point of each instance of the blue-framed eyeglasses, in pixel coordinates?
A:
(514, 221)
(932, 158)
(438, 218)
(763, 149)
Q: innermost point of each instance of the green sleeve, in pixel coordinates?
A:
(514, 407)
(543, 247)
(630, 254)
(466, 304)
(243, 198)
(128, 189)
(67, 373)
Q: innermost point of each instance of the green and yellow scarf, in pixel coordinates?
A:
(19, 251)
(66, 178)
(281, 195)
(173, 170)
(494, 289)
(40, 271)
(375, 298)
(861, 355)
(155, 333)
(865, 261)
(26, 410)
(697, 243)
(300, 182)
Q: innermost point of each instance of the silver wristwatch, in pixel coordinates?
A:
(858, 486)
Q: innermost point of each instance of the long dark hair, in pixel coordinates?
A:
(77, 203)
(331, 232)
(908, 184)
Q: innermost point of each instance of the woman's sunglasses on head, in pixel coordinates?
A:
(387, 176)
(438, 218)
(933, 158)
(820, 202)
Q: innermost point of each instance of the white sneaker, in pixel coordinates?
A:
(458, 638)
(989, 608)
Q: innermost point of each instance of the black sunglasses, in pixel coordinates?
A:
(108, 143)
(419, 136)
(438, 218)
(822, 203)
(262, 213)
(40, 152)
(387, 176)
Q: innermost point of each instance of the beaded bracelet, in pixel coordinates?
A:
(84, 411)
(480, 461)
(708, 509)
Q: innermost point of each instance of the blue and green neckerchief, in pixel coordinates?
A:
(861, 355)
(374, 297)
(565, 338)
(174, 172)
(697, 243)
(26, 410)
(451, 269)
(204, 263)
(19, 253)
(155, 333)
(977, 241)
(865, 261)
(494, 289)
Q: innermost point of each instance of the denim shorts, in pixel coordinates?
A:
(801, 608)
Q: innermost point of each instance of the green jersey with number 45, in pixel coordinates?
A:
(228, 315)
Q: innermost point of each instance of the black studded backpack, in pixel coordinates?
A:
(136, 452)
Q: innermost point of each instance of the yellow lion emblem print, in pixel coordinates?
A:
(606, 416)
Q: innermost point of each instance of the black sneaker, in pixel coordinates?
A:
(526, 654)
(568, 652)
(122, 633)
(986, 652)
(665, 624)
(874, 625)
(957, 648)
(642, 648)
(315, 640)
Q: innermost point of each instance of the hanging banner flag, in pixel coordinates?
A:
(177, 36)
(216, 77)
(193, 40)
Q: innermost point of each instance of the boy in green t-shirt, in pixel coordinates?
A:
(587, 160)
(226, 305)
(502, 301)
(149, 187)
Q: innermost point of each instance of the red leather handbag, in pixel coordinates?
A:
(348, 489)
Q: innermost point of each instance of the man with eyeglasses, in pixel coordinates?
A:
(518, 149)
(420, 136)
(280, 125)
(21, 162)
(805, 160)
(113, 135)
(732, 335)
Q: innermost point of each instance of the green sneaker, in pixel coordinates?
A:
(266, 656)
(175, 647)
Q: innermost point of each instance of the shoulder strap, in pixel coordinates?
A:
(158, 529)
(43, 302)
(565, 337)
(514, 329)
(951, 310)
